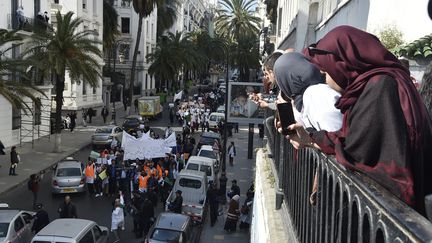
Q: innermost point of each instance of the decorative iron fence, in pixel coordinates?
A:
(350, 206)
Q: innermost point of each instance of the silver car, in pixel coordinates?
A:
(103, 136)
(172, 228)
(15, 225)
(68, 177)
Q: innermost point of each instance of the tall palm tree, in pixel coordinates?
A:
(15, 91)
(166, 15)
(246, 55)
(110, 28)
(66, 48)
(143, 8)
(236, 18)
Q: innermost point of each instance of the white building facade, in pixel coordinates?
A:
(191, 16)
(302, 22)
(16, 125)
(125, 46)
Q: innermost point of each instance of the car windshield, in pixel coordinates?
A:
(207, 154)
(3, 229)
(165, 235)
(103, 130)
(213, 118)
(206, 169)
(184, 182)
(191, 166)
(207, 140)
(64, 172)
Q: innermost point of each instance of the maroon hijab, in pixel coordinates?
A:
(356, 57)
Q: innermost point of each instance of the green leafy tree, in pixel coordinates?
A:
(236, 18)
(246, 55)
(66, 48)
(15, 90)
(166, 15)
(390, 36)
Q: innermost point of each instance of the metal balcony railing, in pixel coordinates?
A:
(350, 206)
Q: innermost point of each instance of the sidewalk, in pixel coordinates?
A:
(244, 172)
(41, 156)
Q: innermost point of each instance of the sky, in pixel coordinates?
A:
(410, 16)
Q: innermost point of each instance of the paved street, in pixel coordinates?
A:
(99, 209)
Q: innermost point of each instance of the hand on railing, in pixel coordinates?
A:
(300, 139)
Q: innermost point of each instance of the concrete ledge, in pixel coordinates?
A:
(268, 224)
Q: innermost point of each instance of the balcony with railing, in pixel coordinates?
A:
(350, 207)
(25, 24)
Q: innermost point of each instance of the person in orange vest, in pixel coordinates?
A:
(143, 182)
(90, 175)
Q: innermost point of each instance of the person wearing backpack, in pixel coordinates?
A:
(33, 186)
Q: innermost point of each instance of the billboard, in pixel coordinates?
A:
(241, 108)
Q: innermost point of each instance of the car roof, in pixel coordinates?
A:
(65, 227)
(217, 114)
(134, 117)
(172, 221)
(6, 215)
(206, 147)
(200, 159)
(68, 164)
(192, 173)
(210, 135)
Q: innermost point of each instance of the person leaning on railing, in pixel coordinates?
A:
(386, 130)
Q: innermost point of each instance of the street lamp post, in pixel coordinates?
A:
(225, 132)
(114, 87)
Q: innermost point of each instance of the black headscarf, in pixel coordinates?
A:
(294, 73)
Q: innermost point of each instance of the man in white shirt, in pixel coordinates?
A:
(231, 153)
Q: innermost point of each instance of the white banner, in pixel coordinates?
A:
(146, 147)
(178, 96)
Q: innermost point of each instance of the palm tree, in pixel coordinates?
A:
(15, 91)
(236, 18)
(143, 8)
(110, 28)
(246, 55)
(166, 15)
(66, 48)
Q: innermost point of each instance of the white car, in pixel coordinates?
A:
(15, 225)
(208, 152)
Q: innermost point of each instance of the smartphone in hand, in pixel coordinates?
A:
(286, 117)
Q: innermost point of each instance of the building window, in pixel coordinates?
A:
(279, 21)
(152, 35)
(84, 86)
(146, 81)
(125, 25)
(95, 7)
(38, 112)
(125, 50)
(84, 4)
(147, 50)
(94, 89)
(147, 28)
(16, 118)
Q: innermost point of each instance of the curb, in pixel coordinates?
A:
(44, 169)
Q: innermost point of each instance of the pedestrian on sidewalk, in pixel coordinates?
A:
(67, 209)
(33, 186)
(235, 189)
(246, 211)
(15, 159)
(232, 214)
(84, 117)
(136, 104)
(72, 117)
(41, 219)
(231, 153)
(104, 114)
(222, 187)
(91, 113)
(212, 197)
(117, 219)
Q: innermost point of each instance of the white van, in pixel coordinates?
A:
(208, 152)
(214, 119)
(205, 165)
(72, 231)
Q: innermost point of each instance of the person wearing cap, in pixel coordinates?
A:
(232, 214)
(41, 219)
(176, 205)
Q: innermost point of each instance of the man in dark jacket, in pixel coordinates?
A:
(212, 197)
(104, 113)
(147, 210)
(41, 219)
(14, 161)
(67, 209)
(176, 205)
(235, 189)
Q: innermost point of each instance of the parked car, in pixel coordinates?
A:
(170, 228)
(72, 231)
(205, 165)
(193, 185)
(68, 177)
(221, 109)
(208, 152)
(208, 138)
(132, 122)
(214, 119)
(103, 136)
(15, 225)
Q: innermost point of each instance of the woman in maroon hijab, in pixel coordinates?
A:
(386, 130)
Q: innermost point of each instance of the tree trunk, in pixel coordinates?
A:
(59, 105)
(134, 60)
